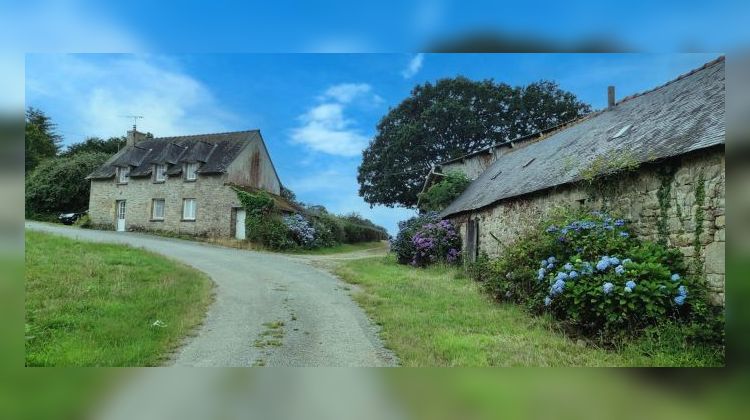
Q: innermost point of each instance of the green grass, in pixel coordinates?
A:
(343, 248)
(437, 317)
(92, 304)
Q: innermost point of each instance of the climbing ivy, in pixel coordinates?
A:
(664, 196)
(700, 215)
(256, 204)
(263, 224)
(601, 176)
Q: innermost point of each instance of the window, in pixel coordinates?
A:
(157, 209)
(123, 174)
(188, 209)
(190, 171)
(160, 173)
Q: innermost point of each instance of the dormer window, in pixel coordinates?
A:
(160, 172)
(191, 171)
(123, 174)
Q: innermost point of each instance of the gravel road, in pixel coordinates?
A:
(270, 309)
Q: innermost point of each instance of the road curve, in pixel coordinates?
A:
(322, 326)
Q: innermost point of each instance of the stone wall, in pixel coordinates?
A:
(636, 197)
(214, 202)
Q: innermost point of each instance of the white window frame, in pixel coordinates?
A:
(123, 174)
(160, 172)
(189, 210)
(191, 171)
(163, 202)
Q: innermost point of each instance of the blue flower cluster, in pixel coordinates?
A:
(605, 222)
(568, 273)
(302, 230)
(681, 295)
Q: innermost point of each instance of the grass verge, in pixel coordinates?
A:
(344, 248)
(93, 304)
(437, 317)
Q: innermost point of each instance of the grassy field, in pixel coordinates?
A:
(436, 317)
(343, 248)
(91, 304)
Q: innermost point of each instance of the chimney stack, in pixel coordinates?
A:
(134, 136)
(610, 96)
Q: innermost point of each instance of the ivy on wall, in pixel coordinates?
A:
(699, 218)
(664, 195)
(263, 224)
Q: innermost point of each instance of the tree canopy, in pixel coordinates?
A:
(41, 140)
(60, 184)
(451, 118)
(96, 145)
(443, 192)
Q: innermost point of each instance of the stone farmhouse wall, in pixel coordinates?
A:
(214, 203)
(636, 197)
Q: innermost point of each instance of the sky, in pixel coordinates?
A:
(316, 112)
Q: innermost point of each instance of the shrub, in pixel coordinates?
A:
(436, 242)
(402, 244)
(590, 273)
(301, 229)
(84, 222)
(263, 224)
(425, 239)
(269, 231)
(440, 195)
(59, 184)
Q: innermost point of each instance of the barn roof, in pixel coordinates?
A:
(215, 151)
(681, 116)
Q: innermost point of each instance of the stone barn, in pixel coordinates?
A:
(183, 184)
(656, 158)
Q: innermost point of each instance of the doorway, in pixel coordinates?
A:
(239, 224)
(120, 206)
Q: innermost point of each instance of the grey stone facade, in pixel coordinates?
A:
(214, 203)
(634, 196)
(224, 161)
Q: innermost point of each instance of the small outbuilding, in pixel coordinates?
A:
(657, 158)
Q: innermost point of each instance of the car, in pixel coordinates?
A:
(69, 218)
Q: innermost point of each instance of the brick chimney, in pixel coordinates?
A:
(610, 96)
(134, 136)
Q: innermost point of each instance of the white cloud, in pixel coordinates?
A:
(324, 127)
(415, 64)
(93, 95)
(346, 92)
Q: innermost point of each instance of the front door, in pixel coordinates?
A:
(239, 224)
(120, 215)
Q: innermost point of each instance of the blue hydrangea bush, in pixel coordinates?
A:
(426, 239)
(590, 273)
(301, 230)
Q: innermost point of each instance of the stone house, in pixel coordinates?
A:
(183, 184)
(656, 158)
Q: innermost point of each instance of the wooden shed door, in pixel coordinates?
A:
(472, 235)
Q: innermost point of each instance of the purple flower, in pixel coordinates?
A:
(607, 288)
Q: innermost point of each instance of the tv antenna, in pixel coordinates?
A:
(135, 120)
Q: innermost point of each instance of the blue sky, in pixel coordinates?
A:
(316, 111)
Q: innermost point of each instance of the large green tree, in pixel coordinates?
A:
(450, 118)
(41, 140)
(96, 145)
(60, 184)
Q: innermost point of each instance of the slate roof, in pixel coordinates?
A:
(681, 116)
(214, 151)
